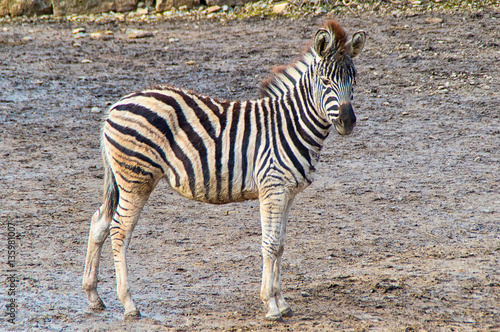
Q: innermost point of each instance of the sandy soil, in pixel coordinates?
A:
(400, 231)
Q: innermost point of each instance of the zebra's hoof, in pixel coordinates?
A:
(132, 316)
(97, 306)
(287, 312)
(274, 318)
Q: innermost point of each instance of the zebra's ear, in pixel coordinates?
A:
(356, 44)
(322, 42)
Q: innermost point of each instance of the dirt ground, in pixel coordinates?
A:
(399, 232)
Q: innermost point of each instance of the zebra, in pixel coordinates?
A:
(219, 151)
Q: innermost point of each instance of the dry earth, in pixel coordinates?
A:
(399, 232)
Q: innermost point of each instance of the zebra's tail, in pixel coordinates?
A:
(111, 193)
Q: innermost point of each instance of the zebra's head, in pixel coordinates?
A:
(334, 74)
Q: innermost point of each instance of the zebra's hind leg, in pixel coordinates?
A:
(127, 214)
(99, 231)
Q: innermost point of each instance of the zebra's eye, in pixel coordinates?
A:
(326, 81)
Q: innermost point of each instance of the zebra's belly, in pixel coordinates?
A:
(212, 191)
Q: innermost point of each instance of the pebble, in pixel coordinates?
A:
(107, 35)
(280, 8)
(320, 10)
(434, 20)
(78, 30)
(95, 110)
(80, 35)
(190, 63)
(173, 40)
(136, 33)
(86, 61)
(213, 9)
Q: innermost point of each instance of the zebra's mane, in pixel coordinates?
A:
(286, 77)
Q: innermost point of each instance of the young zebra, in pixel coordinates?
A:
(220, 151)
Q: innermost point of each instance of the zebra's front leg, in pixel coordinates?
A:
(284, 308)
(274, 212)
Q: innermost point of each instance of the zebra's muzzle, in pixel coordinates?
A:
(347, 119)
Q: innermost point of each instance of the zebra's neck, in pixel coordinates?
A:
(290, 87)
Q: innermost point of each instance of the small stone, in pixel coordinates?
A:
(136, 33)
(173, 40)
(213, 9)
(95, 110)
(320, 10)
(27, 38)
(434, 20)
(77, 45)
(80, 35)
(280, 8)
(95, 35)
(142, 11)
(78, 30)
(225, 8)
(190, 63)
(108, 33)
(86, 61)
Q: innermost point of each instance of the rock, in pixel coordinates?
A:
(229, 3)
(141, 11)
(190, 63)
(320, 10)
(25, 7)
(280, 8)
(78, 30)
(164, 5)
(86, 61)
(136, 33)
(80, 35)
(102, 36)
(213, 9)
(67, 7)
(434, 20)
